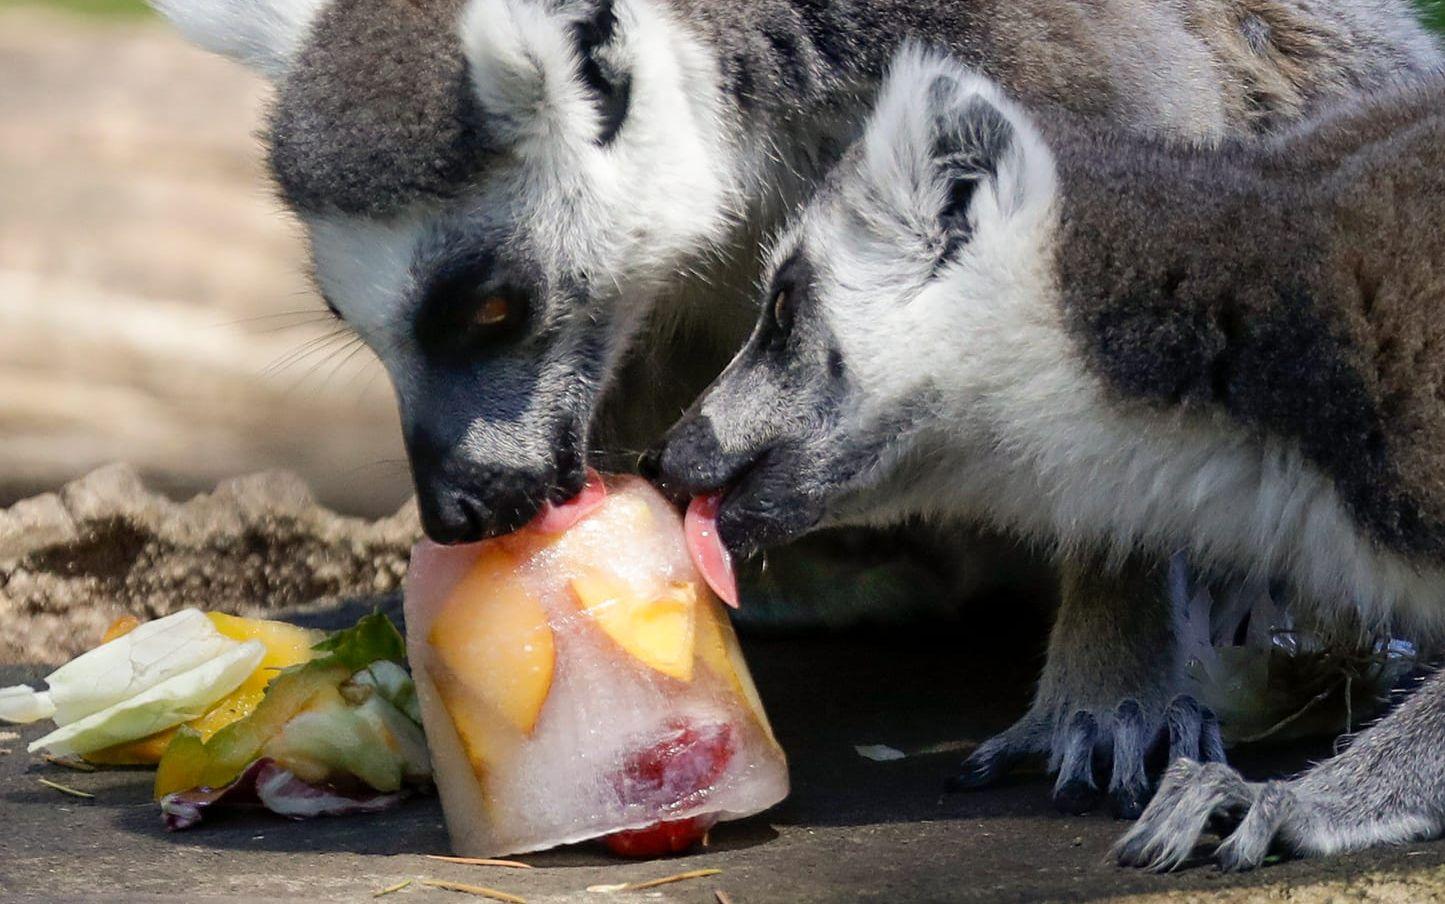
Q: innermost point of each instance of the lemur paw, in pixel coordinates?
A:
(1075, 738)
(1191, 797)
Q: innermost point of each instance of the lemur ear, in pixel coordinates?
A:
(541, 70)
(953, 143)
(970, 138)
(261, 34)
(597, 34)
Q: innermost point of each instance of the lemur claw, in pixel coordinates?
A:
(1074, 743)
(1385, 788)
(993, 759)
(1074, 791)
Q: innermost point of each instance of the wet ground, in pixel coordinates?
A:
(853, 829)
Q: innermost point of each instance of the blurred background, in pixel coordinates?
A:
(153, 301)
(154, 306)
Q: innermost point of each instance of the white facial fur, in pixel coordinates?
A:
(875, 238)
(627, 214)
(1016, 430)
(662, 187)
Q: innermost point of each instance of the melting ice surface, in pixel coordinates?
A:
(578, 684)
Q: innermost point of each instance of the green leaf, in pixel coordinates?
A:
(372, 639)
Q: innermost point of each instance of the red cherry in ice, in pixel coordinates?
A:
(674, 772)
(684, 763)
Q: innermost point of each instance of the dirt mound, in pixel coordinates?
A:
(71, 562)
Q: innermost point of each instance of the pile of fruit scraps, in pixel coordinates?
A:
(240, 711)
(579, 679)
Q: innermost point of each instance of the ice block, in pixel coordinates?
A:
(578, 680)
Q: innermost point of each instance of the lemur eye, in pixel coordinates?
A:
(493, 311)
(781, 311)
(495, 315)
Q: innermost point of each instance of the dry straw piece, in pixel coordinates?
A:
(653, 883)
(481, 861)
(480, 891)
(66, 789)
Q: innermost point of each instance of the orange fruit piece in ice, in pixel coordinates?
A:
(492, 635)
(657, 630)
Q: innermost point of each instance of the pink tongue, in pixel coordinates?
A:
(558, 518)
(706, 547)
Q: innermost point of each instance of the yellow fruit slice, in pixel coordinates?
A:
(717, 646)
(492, 635)
(190, 762)
(487, 736)
(286, 645)
(657, 631)
(146, 751)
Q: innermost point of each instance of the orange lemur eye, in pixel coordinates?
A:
(493, 311)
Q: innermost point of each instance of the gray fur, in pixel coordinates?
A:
(1172, 280)
(378, 120)
(1388, 787)
(375, 114)
(1142, 346)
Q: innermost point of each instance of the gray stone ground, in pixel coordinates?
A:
(853, 829)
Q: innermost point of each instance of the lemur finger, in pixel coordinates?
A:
(1137, 846)
(1075, 792)
(1128, 784)
(1250, 843)
(1183, 717)
(1211, 788)
(996, 756)
(1167, 832)
(1211, 740)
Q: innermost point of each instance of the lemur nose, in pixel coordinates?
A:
(649, 466)
(690, 460)
(462, 500)
(451, 516)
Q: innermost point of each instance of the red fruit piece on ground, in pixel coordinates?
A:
(672, 836)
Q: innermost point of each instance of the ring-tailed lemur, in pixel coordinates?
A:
(1114, 342)
(523, 206)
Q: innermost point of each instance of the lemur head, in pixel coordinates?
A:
(885, 299)
(495, 193)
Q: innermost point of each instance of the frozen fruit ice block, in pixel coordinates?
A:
(579, 680)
